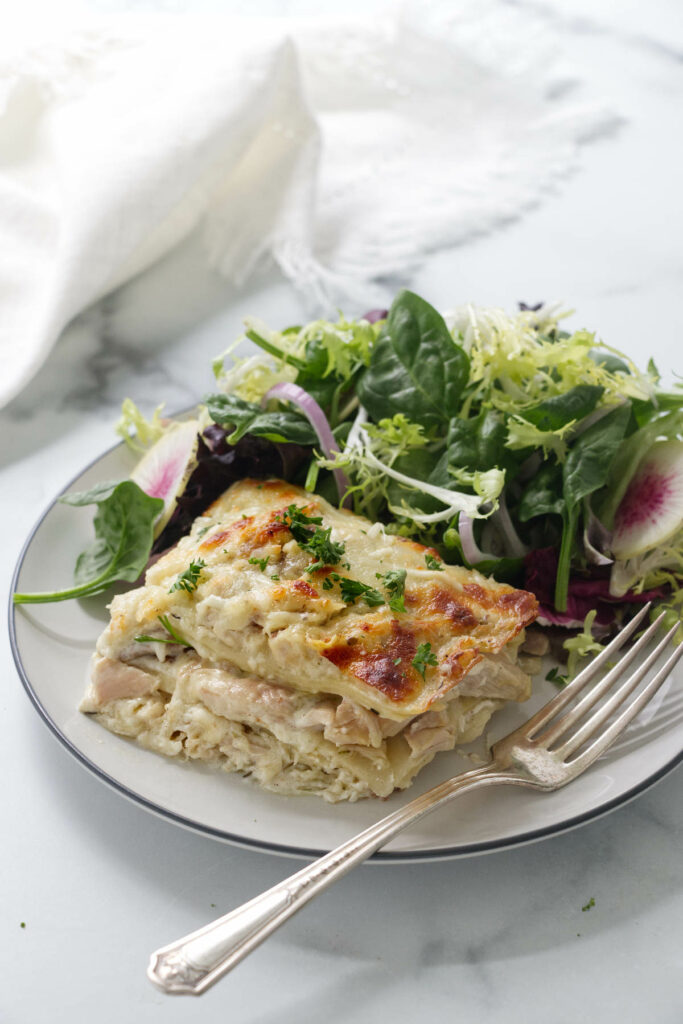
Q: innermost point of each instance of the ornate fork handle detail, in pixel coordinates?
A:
(192, 964)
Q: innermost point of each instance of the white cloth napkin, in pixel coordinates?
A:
(345, 151)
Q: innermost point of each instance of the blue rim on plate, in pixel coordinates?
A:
(448, 853)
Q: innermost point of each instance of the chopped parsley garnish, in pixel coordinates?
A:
(397, 661)
(204, 529)
(351, 590)
(316, 542)
(327, 551)
(276, 578)
(395, 585)
(554, 677)
(175, 637)
(433, 563)
(22, 924)
(424, 657)
(189, 580)
(589, 905)
(296, 520)
(261, 562)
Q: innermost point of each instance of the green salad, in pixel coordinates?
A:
(544, 458)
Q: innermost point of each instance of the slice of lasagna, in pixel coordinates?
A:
(302, 645)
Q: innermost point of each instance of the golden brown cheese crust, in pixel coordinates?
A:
(291, 629)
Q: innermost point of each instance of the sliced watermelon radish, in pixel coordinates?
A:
(164, 470)
(652, 507)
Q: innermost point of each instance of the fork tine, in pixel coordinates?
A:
(610, 734)
(604, 713)
(570, 691)
(576, 713)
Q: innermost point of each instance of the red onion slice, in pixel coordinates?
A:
(373, 315)
(596, 539)
(513, 544)
(470, 548)
(316, 417)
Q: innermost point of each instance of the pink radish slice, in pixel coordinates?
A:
(318, 420)
(652, 507)
(164, 470)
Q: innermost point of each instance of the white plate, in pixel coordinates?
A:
(52, 645)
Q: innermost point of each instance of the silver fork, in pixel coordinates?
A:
(544, 754)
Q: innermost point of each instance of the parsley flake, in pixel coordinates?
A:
(589, 905)
(433, 563)
(554, 676)
(395, 585)
(261, 562)
(189, 580)
(351, 590)
(397, 661)
(424, 657)
(316, 542)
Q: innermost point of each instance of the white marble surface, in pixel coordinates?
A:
(99, 883)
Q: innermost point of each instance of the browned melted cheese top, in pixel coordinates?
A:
(461, 614)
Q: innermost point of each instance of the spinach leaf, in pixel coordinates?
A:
(608, 361)
(416, 368)
(543, 494)
(664, 401)
(249, 418)
(491, 448)
(314, 378)
(586, 470)
(590, 457)
(321, 388)
(475, 444)
(462, 448)
(574, 404)
(124, 527)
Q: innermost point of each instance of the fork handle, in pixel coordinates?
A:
(192, 964)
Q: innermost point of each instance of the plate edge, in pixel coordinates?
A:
(408, 856)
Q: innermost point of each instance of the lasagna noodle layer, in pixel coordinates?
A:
(287, 741)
